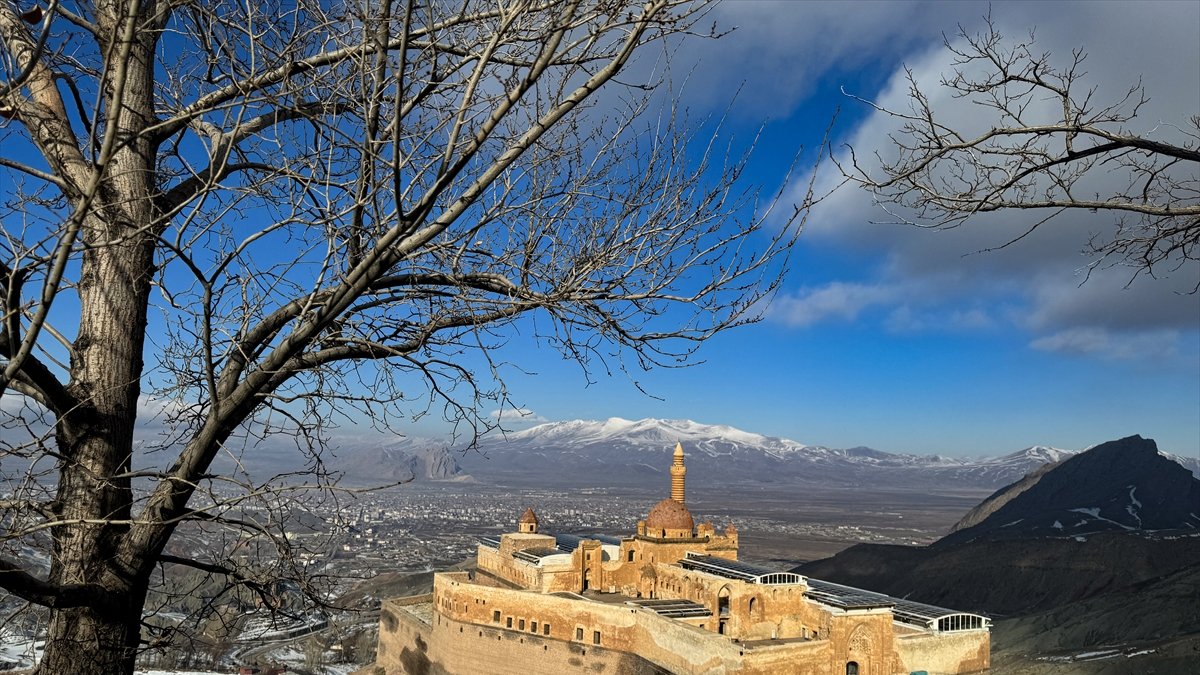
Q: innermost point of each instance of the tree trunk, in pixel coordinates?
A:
(94, 641)
(94, 494)
(95, 438)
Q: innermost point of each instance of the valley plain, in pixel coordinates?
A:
(425, 524)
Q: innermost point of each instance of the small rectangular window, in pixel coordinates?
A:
(496, 616)
(595, 637)
(508, 624)
(521, 624)
(578, 633)
(532, 626)
(545, 629)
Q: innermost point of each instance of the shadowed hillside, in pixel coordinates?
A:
(1009, 577)
(1123, 485)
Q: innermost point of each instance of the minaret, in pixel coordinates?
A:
(677, 472)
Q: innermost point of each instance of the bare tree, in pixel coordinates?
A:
(1037, 139)
(254, 220)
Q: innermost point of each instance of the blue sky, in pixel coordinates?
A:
(903, 339)
(893, 337)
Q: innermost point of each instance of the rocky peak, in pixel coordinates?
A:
(1120, 485)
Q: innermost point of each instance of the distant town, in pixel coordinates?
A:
(419, 526)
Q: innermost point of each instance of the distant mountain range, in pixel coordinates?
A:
(383, 463)
(617, 452)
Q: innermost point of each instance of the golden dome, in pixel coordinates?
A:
(528, 517)
(670, 515)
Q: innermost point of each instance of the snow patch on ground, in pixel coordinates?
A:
(1096, 655)
(174, 672)
(1095, 513)
(1133, 499)
(19, 650)
(1134, 506)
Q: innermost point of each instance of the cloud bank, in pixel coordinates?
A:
(913, 279)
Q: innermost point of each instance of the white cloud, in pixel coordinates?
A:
(152, 408)
(834, 301)
(517, 416)
(1110, 345)
(907, 319)
(911, 307)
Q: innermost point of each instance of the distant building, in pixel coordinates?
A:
(670, 598)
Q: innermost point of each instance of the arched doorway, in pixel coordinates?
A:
(722, 609)
(852, 668)
(723, 602)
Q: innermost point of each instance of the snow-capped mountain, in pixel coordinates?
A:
(623, 452)
(997, 471)
(1039, 453)
(650, 435)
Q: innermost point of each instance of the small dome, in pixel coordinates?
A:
(528, 517)
(670, 515)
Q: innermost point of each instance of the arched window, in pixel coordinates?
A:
(852, 668)
(753, 606)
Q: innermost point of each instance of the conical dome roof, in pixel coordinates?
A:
(528, 517)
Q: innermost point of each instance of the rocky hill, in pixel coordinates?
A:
(1001, 497)
(1121, 485)
(384, 464)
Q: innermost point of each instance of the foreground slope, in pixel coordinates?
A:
(1151, 626)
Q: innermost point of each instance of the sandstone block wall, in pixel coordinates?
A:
(942, 653)
(470, 634)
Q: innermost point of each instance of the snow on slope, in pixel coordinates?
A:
(719, 439)
(653, 435)
(622, 449)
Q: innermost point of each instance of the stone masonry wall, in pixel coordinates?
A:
(942, 653)
(671, 645)
(466, 636)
